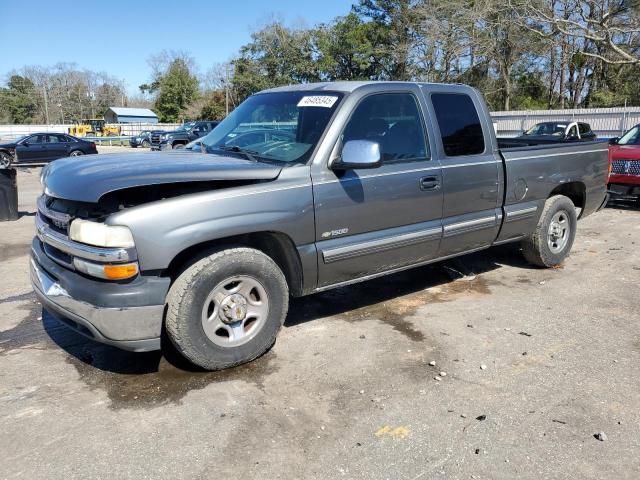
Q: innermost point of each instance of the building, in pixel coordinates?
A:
(130, 115)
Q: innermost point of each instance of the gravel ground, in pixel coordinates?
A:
(348, 391)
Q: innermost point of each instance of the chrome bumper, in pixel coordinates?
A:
(132, 328)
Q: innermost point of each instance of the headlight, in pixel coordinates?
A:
(165, 137)
(100, 234)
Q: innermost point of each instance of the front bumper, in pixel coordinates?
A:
(161, 146)
(107, 314)
(624, 189)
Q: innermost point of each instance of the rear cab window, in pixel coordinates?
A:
(459, 124)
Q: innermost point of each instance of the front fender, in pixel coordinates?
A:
(164, 228)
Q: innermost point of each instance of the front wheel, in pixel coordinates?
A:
(5, 160)
(227, 308)
(552, 239)
(178, 146)
(146, 143)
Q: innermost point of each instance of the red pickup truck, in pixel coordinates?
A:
(624, 164)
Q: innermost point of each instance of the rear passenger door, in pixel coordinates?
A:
(471, 172)
(56, 147)
(373, 220)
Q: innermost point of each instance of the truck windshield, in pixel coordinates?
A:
(632, 137)
(185, 126)
(279, 126)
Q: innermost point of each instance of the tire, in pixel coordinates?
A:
(552, 239)
(76, 153)
(5, 160)
(178, 146)
(205, 319)
(146, 143)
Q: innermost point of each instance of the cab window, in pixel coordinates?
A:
(459, 124)
(393, 120)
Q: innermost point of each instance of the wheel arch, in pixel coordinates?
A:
(277, 245)
(575, 191)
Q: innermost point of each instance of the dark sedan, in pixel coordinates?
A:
(39, 148)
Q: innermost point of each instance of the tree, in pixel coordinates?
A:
(177, 88)
(609, 28)
(277, 55)
(17, 100)
(214, 106)
(347, 50)
(396, 22)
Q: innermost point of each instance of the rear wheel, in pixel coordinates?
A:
(227, 308)
(76, 153)
(551, 241)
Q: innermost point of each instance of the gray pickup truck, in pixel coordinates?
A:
(301, 189)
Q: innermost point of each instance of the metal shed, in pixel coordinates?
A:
(130, 115)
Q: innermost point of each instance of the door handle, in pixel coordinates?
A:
(429, 183)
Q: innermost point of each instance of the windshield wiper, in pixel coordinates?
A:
(234, 148)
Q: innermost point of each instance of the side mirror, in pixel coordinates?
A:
(358, 154)
(614, 141)
(25, 144)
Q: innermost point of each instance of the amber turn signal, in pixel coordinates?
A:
(120, 272)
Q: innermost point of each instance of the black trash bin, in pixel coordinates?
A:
(8, 195)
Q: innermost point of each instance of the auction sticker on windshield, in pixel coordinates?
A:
(317, 101)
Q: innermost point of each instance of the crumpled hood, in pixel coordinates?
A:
(87, 178)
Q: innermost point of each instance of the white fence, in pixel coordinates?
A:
(605, 122)
(9, 132)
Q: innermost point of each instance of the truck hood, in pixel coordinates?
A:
(624, 152)
(87, 178)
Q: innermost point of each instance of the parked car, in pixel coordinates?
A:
(40, 148)
(304, 188)
(559, 132)
(195, 146)
(181, 136)
(624, 158)
(143, 139)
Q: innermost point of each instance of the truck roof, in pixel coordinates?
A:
(342, 86)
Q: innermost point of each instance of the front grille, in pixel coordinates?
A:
(155, 138)
(58, 221)
(625, 167)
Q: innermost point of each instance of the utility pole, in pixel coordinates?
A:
(226, 89)
(46, 108)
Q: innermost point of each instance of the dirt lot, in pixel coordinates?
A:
(348, 392)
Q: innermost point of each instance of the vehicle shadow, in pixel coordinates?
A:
(624, 204)
(389, 287)
(98, 355)
(335, 302)
(22, 213)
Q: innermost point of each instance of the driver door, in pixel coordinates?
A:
(373, 220)
(32, 149)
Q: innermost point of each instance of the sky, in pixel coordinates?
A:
(118, 36)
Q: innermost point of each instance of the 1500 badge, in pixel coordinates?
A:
(335, 233)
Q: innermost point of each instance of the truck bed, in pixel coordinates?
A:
(578, 170)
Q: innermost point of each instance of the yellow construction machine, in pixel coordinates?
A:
(94, 127)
